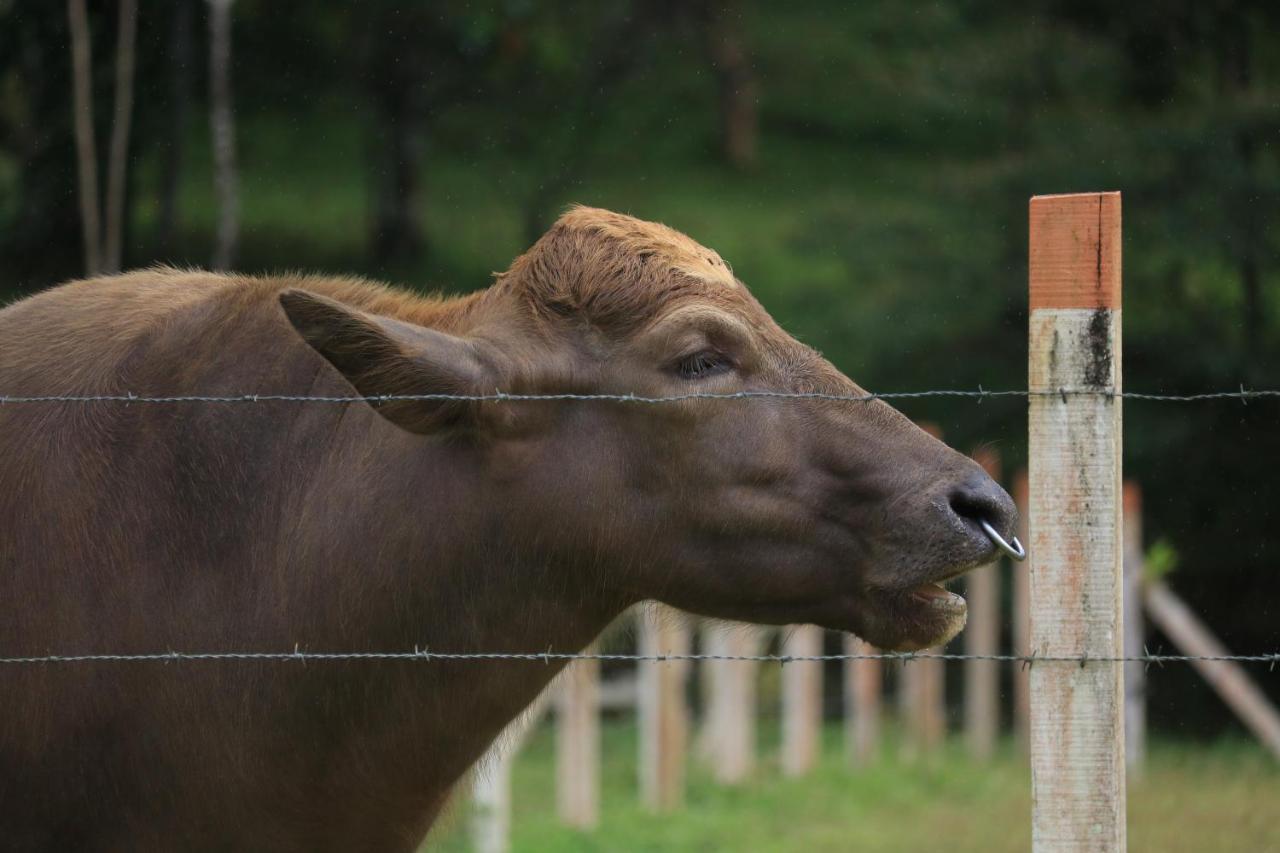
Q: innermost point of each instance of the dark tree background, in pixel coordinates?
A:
(865, 167)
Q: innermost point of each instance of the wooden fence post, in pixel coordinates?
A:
(801, 700)
(664, 714)
(1135, 672)
(491, 783)
(491, 801)
(1077, 709)
(933, 703)
(922, 691)
(862, 687)
(982, 637)
(1020, 616)
(578, 744)
(729, 723)
(922, 706)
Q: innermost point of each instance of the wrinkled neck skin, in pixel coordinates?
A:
(424, 548)
(421, 552)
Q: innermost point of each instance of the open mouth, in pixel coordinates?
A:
(926, 614)
(935, 600)
(940, 599)
(918, 617)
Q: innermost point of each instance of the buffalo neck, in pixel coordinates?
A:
(415, 550)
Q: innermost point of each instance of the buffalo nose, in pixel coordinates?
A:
(979, 498)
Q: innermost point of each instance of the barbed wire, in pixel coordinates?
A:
(423, 655)
(426, 656)
(980, 394)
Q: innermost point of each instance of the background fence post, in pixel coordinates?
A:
(862, 688)
(981, 637)
(929, 710)
(1135, 672)
(664, 714)
(1077, 709)
(578, 744)
(1020, 617)
(491, 781)
(729, 724)
(922, 691)
(1227, 677)
(801, 700)
(491, 800)
(922, 704)
(933, 722)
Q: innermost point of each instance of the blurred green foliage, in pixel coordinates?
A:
(882, 218)
(1161, 560)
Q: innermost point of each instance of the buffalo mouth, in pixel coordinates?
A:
(915, 617)
(939, 599)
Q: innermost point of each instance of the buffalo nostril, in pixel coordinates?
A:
(980, 499)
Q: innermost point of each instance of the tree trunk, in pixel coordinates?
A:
(1235, 83)
(1251, 249)
(221, 119)
(46, 242)
(118, 157)
(397, 223)
(739, 121)
(619, 45)
(82, 112)
(179, 109)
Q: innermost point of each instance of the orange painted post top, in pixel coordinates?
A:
(1075, 251)
(989, 459)
(1135, 674)
(1021, 497)
(1132, 499)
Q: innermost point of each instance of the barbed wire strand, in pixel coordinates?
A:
(1242, 394)
(425, 655)
(980, 394)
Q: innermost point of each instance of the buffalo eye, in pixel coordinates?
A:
(700, 365)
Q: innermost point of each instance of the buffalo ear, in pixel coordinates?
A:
(383, 356)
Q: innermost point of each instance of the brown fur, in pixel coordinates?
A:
(465, 527)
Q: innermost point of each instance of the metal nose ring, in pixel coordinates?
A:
(1014, 550)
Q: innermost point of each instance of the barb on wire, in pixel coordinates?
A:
(422, 655)
(503, 397)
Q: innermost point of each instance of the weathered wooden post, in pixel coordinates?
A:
(1135, 672)
(578, 744)
(491, 800)
(982, 637)
(862, 687)
(922, 691)
(1020, 608)
(1077, 709)
(664, 713)
(933, 703)
(922, 706)
(491, 783)
(801, 700)
(1228, 678)
(729, 725)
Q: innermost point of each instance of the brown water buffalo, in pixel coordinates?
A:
(454, 526)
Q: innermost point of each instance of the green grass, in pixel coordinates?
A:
(1192, 798)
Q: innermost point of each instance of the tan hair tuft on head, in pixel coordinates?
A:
(616, 270)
